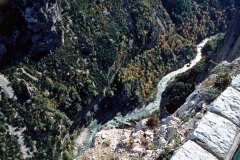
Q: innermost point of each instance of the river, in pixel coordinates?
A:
(145, 111)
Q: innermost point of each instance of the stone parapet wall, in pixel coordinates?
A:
(216, 136)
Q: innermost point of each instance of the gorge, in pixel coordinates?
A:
(145, 111)
(89, 77)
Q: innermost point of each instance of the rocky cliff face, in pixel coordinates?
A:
(28, 27)
(228, 50)
(206, 126)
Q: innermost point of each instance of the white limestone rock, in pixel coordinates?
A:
(228, 105)
(216, 133)
(191, 101)
(235, 82)
(192, 151)
(137, 150)
(149, 133)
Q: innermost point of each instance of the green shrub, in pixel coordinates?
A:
(67, 156)
(211, 94)
(223, 80)
(166, 154)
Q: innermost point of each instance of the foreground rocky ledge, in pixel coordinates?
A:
(196, 131)
(217, 134)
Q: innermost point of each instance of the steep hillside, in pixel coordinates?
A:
(231, 44)
(228, 50)
(72, 61)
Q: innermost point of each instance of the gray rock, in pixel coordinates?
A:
(5, 85)
(40, 35)
(215, 133)
(235, 82)
(191, 101)
(141, 125)
(191, 151)
(170, 132)
(137, 150)
(235, 66)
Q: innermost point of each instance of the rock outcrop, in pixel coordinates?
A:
(229, 49)
(29, 27)
(5, 85)
(215, 133)
(41, 20)
(227, 105)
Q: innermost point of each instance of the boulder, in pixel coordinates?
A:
(171, 120)
(137, 150)
(141, 125)
(149, 133)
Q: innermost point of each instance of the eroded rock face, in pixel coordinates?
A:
(229, 49)
(41, 20)
(29, 27)
(6, 87)
(235, 83)
(105, 143)
(207, 131)
(231, 44)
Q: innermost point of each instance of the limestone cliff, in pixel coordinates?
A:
(28, 27)
(229, 49)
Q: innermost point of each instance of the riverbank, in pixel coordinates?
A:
(145, 111)
(148, 110)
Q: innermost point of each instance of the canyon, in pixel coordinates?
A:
(119, 79)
